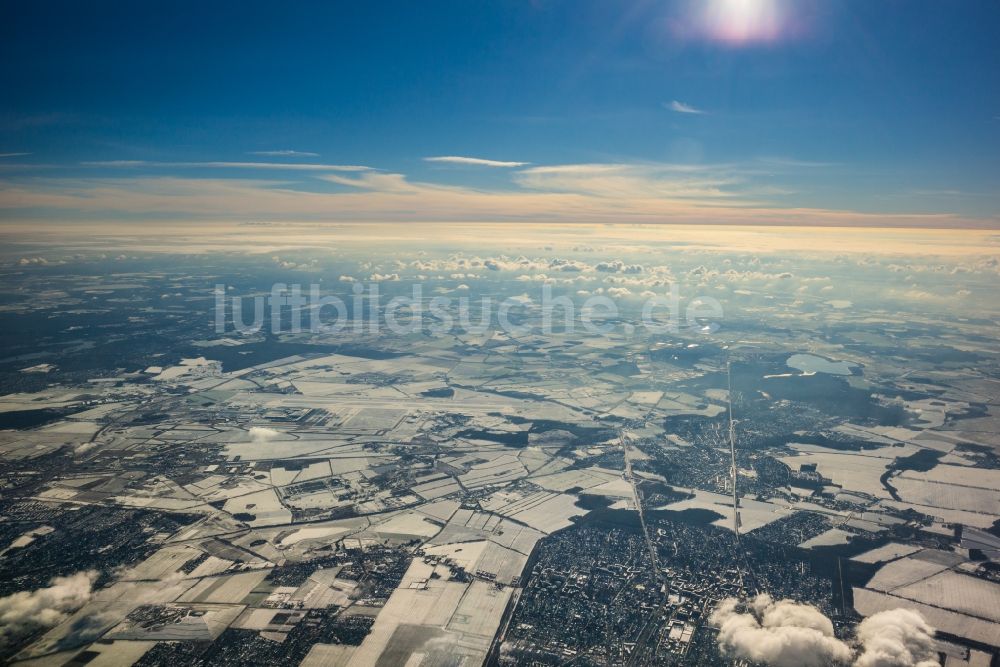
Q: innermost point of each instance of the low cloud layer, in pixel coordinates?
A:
(786, 633)
(895, 638)
(262, 434)
(782, 633)
(25, 611)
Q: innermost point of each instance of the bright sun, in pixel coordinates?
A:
(743, 21)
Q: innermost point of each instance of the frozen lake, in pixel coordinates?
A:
(810, 363)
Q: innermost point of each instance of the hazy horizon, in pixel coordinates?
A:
(727, 112)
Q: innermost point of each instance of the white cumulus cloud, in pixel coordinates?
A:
(24, 611)
(896, 638)
(785, 633)
(782, 633)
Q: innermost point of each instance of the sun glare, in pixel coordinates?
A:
(743, 21)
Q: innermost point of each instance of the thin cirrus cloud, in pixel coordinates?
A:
(640, 181)
(778, 161)
(681, 107)
(225, 165)
(473, 161)
(596, 192)
(283, 153)
(14, 154)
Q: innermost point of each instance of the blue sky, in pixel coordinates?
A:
(804, 111)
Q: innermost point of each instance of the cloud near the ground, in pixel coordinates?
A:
(785, 633)
(25, 611)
